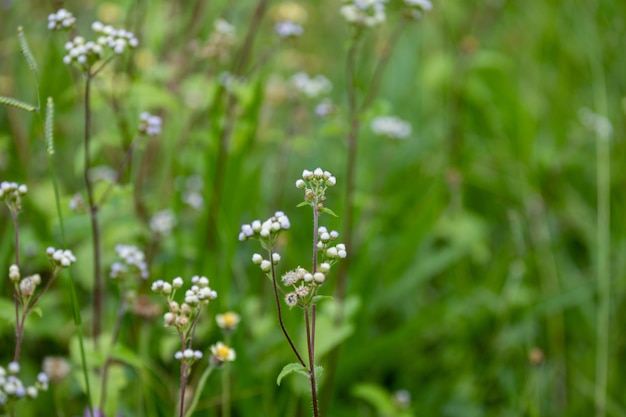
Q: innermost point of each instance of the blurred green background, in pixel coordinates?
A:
(476, 258)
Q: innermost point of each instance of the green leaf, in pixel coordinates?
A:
(290, 368)
(304, 203)
(329, 211)
(37, 311)
(49, 126)
(17, 103)
(319, 298)
(26, 50)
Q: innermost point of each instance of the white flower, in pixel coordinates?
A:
(177, 282)
(311, 87)
(391, 127)
(150, 124)
(266, 265)
(367, 13)
(291, 299)
(228, 321)
(257, 259)
(163, 222)
(61, 20)
(222, 353)
(325, 267)
(319, 277)
(288, 29)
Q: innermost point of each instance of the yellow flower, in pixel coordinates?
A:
(222, 353)
(228, 321)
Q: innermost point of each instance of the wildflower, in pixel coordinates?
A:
(131, 256)
(366, 13)
(288, 29)
(228, 321)
(61, 20)
(14, 273)
(269, 228)
(319, 277)
(257, 259)
(311, 87)
(325, 108)
(150, 125)
(13, 192)
(56, 368)
(163, 222)
(266, 266)
(415, 8)
(220, 353)
(325, 267)
(60, 258)
(29, 284)
(291, 299)
(391, 127)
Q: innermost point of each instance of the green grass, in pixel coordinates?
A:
(494, 229)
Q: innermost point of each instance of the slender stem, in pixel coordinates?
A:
(280, 315)
(109, 360)
(118, 173)
(353, 136)
(225, 133)
(226, 384)
(98, 290)
(183, 377)
(381, 65)
(603, 270)
(16, 298)
(309, 339)
(200, 388)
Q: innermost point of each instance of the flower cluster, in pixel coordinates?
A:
(12, 194)
(149, 124)
(131, 257)
(60, 258)
(26, 285)
(314, 183)
(188, 355)
(366, 13)
(163, 222)
(311, 87)
(86, 53)
(12, 388)
(264, 264)
(220, 354)
(197, 296)
(61, 20)
(116, 39)
(416, 8)
(269, 229)
(288, 29)
(330, 252)
(391, 127)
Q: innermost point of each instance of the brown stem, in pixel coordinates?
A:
(310, 335)
(98, 290)
(183, 376)
(280, 315)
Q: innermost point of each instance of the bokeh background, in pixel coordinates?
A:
(488, 246)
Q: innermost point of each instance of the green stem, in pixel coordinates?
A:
(199, 389)
(226, 383)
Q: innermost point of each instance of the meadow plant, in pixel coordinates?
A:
(183, 317)
(300, 286)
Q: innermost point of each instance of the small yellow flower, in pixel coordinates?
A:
(228, 321)
(222, 353)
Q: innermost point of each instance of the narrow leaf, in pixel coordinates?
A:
(329, 211)
(37, 311)
(49, 126)
(290, 368)
(319, 298)
(304, 203)
(26, 50)
(16, 103)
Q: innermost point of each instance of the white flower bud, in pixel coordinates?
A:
(256, 225)
(318, 172)
(307, 277)
(334, 234)
(325, 237)
(319, 277)
(331, 252)
(257, 259)
(300, 184)
(168, 319)
(177, 282)
(167, 288)
(266, 265)
(331, 181)
(275, 258)
(13, 367)
(325, 267)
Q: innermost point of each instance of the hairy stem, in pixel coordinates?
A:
(280, 315)
(310, 341)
